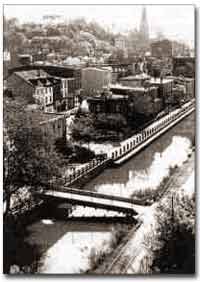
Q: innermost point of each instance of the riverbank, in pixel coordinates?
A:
(131, 146)
(137, 249)
(74, 238)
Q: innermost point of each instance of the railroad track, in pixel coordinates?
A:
(121, 263)
(121, 251)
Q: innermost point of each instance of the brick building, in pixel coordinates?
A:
(36, 86)
(141, 100)
(164, 88)
(108, 103)
(67, 95)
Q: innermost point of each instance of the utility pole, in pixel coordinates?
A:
(172, 237)
(172, 211)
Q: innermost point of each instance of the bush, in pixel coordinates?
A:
(63, 147)
(102, 127)
(177, 237)
(98, 257)
(114, 122)
(82, 154)
(18, 252)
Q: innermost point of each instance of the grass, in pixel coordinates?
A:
(97, 257)
(148, 196)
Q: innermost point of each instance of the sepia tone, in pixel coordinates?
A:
(98, 140)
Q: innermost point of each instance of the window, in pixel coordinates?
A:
(117, 108)
(98, 108)
(46, 100)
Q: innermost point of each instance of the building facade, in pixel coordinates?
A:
(55, 125)
(162, 48)
(141, 100)
(108, 103)
(35, 86)
(94, 80)
(165, 88)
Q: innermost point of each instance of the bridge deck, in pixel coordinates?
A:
(90, 201)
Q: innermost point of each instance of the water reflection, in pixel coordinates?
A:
(147, 169)
(75, 241)
(46, 235)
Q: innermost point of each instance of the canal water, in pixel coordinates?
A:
(69, 245)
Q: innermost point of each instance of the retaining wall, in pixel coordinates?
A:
(136, 143)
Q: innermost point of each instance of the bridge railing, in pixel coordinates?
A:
(79, 172)
(95, 194)
(126, 147)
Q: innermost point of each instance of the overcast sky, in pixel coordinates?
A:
(175, 21)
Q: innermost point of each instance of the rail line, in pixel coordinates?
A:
(124, 262)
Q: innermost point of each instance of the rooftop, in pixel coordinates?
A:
(128, 88)
(109, 97)
(32, 74)
(37, 77)
(103, 69)
(158, 80)
(136, 77)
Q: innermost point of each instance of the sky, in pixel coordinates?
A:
(174, 21)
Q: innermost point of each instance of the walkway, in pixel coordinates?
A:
(91, 199)
(135, 256)
(137, 142)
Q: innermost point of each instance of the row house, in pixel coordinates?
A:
(35, 86)
(66, 96)
(66, 83)
(108, 103)
(70, 84)
(165, 88)
(143, 101)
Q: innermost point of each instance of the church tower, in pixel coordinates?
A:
(144, 28)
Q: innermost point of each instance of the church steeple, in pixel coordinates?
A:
(144, 28)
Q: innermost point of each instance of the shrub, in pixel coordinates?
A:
(82, 154)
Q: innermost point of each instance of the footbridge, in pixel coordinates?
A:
(91, 199)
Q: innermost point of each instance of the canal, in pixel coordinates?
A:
(69, 245)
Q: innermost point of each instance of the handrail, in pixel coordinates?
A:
(95, 194)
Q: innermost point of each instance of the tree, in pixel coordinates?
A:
(117, 55)
(176, 233)
(29, 156)
(114, 122)
(82, 129)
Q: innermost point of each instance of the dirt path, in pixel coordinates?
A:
(134, 256)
